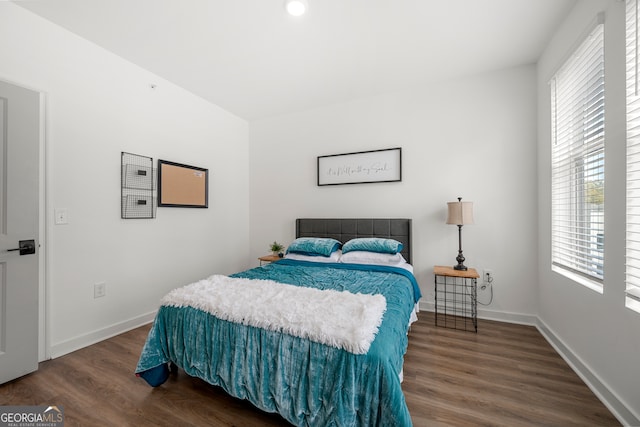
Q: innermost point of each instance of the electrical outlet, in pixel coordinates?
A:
(487, 276)
(99, 290)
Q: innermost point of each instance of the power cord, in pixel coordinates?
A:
(488, 282)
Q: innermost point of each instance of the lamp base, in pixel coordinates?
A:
(460, 259)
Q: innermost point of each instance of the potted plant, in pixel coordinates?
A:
(276, 248)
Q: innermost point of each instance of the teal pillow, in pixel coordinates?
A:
(314, 246)
(373, 244)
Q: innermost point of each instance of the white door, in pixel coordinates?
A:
(19, 196)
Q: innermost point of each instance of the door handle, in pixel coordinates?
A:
(26, 247)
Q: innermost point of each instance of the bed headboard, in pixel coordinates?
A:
(344, 229)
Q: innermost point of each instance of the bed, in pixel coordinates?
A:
(317, 340)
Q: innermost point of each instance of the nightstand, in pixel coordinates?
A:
(456, 298)
(269, 258)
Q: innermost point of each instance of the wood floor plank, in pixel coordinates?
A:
(505, 375)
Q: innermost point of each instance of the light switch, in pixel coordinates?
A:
(62, 216)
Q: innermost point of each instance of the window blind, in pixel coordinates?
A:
(633, 159)
(577, 163)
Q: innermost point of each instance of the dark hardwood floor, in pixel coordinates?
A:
(506, 375)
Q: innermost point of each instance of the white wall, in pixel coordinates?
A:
(601, 336)
(97, 106)
(474, 138)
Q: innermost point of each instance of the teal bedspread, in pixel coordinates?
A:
(308, 383)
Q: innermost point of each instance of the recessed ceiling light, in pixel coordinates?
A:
(296, 7)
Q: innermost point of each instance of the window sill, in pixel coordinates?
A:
(632, 299)
(632, 304)
(591, 284)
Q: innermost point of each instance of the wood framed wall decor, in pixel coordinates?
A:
(362, 167)
(182, 186)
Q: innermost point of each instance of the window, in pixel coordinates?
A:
(577, 163)
(633, 160)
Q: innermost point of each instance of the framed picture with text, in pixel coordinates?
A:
(360, 168)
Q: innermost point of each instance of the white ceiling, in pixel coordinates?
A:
(252, 59)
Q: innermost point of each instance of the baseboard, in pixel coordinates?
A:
(499, 316)
(85, 340)
(599, 388)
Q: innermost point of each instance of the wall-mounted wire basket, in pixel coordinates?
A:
(138, 191)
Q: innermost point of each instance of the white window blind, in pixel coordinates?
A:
(577, 163)
(633, 160)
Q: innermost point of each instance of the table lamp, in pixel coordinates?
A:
(460, 213)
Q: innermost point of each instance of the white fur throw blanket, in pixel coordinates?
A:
(337, 318)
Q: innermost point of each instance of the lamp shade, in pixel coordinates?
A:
(460, 213)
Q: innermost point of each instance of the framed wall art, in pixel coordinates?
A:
(360, 168)
(182, 186)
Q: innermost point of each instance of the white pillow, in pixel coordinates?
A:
(334, 257)
(375, 258)
(366, 257)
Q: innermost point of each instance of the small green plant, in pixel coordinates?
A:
(276, 247)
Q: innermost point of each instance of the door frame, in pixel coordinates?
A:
(44, 344)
